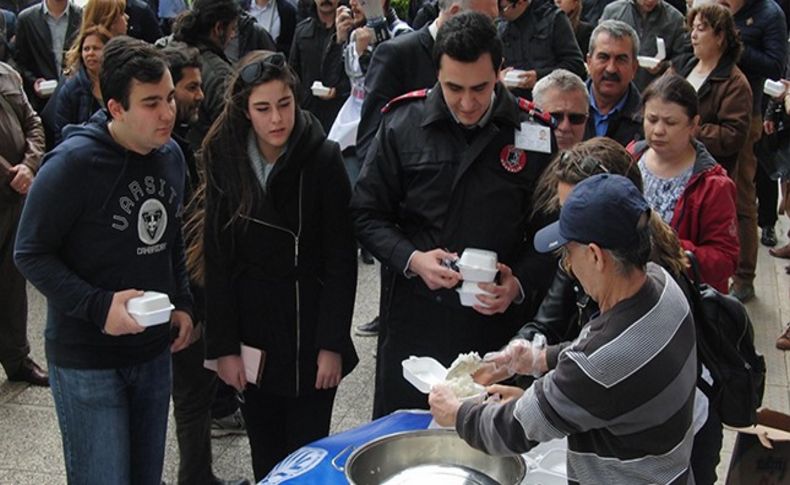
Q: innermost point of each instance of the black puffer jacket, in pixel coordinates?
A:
(562, 313)
(216, 71)
(284, 278)
(764, 38)
(252, 36)
(287, 13)
(541, 39)
(143, 23)
(307, 50)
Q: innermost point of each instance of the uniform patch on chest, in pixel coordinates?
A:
(513, 159)
(152, 221)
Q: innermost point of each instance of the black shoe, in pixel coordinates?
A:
(31, 373)
(768, 237)
(367, 258)
(369, 329)
(232, 424)
(742, 291)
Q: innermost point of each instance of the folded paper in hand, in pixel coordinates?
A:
(253, 360)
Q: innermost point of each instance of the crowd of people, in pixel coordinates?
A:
(241, 155)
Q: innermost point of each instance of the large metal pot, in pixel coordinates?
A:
(433, 456)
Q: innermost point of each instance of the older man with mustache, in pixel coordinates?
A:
(652, 19)
(615, 104)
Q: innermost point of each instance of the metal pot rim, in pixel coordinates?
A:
(400, 434)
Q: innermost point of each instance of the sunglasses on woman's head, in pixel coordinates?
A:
(587, 166)
(573, 118)
(252, 73)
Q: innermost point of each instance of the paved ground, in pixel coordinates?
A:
(30, 449)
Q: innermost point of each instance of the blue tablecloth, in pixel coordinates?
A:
(312, 464)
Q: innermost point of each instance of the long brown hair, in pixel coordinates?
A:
(228, 185)
(102, 12)
(576, 15)
(599, 155)
(224, 148)
(588, 158)
(667, 250)
(74, 55)
(194, 224)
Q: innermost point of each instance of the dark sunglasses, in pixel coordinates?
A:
(587, 166)
(253, 73)
(574, 118)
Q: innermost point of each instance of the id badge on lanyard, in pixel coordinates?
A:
(533, 137)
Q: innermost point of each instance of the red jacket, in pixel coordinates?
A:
(705, 219)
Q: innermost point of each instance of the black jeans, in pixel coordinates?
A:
(14, 347)
(767, 198)
(225, 401)
(193, 394)
(278, 426)
(706, 450)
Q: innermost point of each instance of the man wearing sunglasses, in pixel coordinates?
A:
(452, 168)
(564, 96)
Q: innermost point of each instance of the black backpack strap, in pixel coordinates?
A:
(693, 270)
(706, 351)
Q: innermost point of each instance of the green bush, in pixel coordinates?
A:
(401, 8)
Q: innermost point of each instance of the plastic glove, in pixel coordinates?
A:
(520, 356)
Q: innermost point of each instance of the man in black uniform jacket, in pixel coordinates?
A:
(452, 168)
(405, 64)
(399, 66)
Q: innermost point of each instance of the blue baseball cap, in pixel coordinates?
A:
(604, 209)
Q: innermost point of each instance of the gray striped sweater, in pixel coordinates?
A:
(622, 392)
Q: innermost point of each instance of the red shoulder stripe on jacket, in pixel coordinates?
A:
(419, 94)
(530, 107)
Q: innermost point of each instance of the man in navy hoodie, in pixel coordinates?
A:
(101, 223)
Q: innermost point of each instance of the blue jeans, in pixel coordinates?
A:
(113, 421)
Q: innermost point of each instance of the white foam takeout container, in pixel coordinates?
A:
(478, 265)
(773, 89)
(468, 293)
(651, 62)
(153, 308)
(319, 89)
(513, 78)
(47, 87)
(424, 372)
